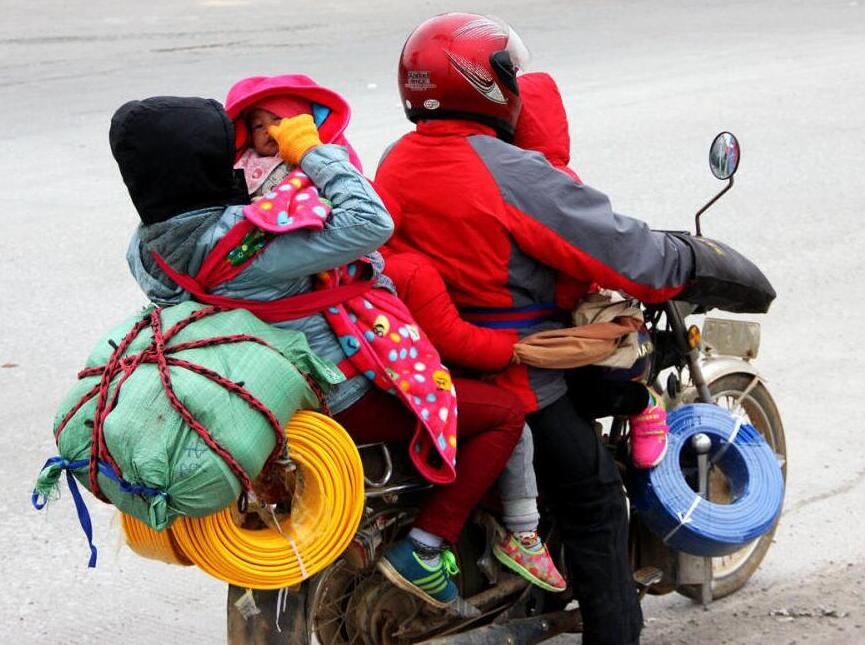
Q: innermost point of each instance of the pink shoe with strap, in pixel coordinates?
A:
(649, 434)
(528, 556)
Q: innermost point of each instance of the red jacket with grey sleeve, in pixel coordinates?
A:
(499, 222)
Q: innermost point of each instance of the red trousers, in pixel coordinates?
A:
(489, 425)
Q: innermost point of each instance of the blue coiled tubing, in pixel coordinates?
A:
(672, 510)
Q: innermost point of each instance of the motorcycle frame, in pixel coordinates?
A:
(692, 354)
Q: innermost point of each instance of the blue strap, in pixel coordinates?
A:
(510, 324)
(546, 308)
(510, 317)
(80, 506)
(125, 486)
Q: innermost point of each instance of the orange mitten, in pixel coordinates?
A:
(295, 137)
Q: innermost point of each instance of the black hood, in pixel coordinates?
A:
(176, 155)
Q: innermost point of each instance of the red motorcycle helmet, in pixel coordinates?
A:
(463, 66)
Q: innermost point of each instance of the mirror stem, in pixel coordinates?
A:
(707, 206)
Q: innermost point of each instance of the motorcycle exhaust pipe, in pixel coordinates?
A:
(522, 631)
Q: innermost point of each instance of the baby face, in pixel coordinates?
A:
(262, 142)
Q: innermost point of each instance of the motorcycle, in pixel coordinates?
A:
(351, 602)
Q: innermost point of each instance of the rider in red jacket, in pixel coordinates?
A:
(499, 224)
(542, 127)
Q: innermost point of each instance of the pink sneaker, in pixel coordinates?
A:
(532, 562)
(649, 434)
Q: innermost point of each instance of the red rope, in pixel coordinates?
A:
(195, 316)
(319, 393)
(183, 411)
(74, 409)
(244, 394)
(97, 441)
(216, 340)
(157, 352)
(179, 347)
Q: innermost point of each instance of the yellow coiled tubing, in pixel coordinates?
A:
(154, 545)
(326, 510)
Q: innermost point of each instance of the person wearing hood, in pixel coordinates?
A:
(542, 125)
(176, 156)
(296, 258)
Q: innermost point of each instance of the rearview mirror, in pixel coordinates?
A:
(724, 155)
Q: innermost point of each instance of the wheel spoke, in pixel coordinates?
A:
(337, 602)
(340, 620)
(332, 607)
(329, 621)
(354, 639)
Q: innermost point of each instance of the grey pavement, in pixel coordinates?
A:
(647, 85)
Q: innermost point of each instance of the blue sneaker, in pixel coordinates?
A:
(402, 566)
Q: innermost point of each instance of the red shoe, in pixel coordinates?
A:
(649, 434)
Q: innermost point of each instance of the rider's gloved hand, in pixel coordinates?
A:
(295, 137)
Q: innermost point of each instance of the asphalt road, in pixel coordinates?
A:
(647, 86)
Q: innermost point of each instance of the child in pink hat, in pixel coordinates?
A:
(258, 102)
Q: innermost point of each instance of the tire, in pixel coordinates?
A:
(731, 572)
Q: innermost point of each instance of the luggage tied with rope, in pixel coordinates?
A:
(179, 417)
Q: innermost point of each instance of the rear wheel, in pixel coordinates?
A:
(743, 394)
(351, 606)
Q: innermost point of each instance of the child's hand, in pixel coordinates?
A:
(295, 137)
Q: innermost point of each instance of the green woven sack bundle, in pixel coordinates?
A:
(165, 467)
